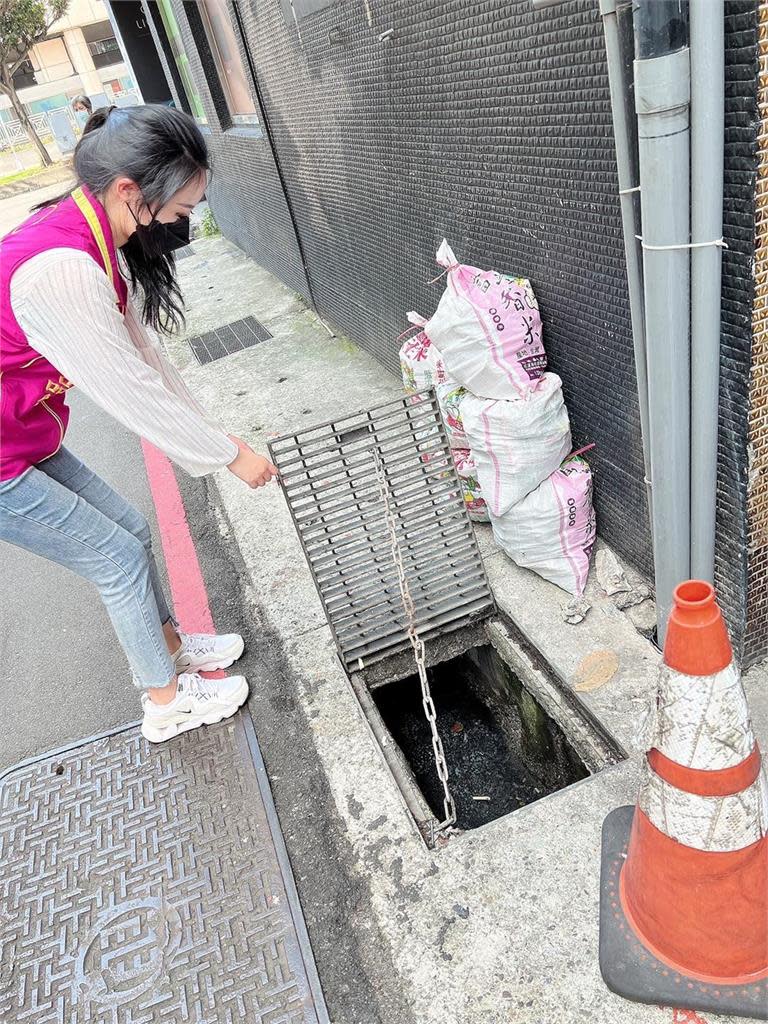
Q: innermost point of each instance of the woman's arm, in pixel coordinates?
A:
(151, 352)
(65, 304)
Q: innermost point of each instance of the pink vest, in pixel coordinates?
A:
(33, 409)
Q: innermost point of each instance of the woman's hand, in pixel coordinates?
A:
(253, 469)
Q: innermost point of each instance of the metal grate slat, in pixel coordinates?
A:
(328, 474)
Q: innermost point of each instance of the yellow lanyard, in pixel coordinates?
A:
(94, 224)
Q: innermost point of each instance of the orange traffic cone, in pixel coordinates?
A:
(684, 882)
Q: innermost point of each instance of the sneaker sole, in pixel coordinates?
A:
(183, 665)
(153, 734)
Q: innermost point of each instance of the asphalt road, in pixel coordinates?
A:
(16, 209)
(64, 676)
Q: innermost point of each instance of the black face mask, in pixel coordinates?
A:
(155, 239)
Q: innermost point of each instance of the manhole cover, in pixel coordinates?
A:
(150, 884)
(226, 340)
(328, 474)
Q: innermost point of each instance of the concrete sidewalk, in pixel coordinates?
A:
(59, 174)
(500, 924)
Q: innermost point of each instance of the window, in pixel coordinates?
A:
(105, 52)
(24, 76)
(170, 65)
(229, 64)
(49, 103)
(171, 26)
(102, 45)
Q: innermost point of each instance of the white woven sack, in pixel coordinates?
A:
(517, 445)
(552, 530)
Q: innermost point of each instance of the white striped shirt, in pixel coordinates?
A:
(65, 304)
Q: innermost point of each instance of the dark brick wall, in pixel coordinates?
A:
(489, 124)
(757, 604)
(736, 338)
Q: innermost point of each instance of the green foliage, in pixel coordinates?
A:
(208, 226)
(22, 24)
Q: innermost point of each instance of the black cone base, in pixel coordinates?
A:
(631, 971)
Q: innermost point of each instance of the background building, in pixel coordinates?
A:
(80, 55)
(350, 136)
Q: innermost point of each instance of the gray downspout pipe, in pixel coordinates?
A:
(628, 189)
(707, 156)
(662, 99)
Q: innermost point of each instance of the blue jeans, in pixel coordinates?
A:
(62, 511)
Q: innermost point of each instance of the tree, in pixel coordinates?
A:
(22, 24)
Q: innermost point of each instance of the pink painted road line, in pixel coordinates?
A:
(686, 1017)
(190, 598)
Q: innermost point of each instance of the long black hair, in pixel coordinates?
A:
(162, 150)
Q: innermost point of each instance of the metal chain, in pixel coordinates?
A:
(419, 650)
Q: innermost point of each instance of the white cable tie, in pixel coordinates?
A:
(627, 191)
(719, 242)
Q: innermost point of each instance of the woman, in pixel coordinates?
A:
(81, 104)
(68, 317)
(83, 108)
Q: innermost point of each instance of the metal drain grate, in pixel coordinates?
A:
(329, 479)
(224, 341)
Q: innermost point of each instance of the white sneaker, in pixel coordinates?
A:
(197, 702)
(200, 652)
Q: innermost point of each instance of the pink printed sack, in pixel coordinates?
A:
(449, 396)
(488, 328)
(470, 487)
(552, 530)
(423, 367)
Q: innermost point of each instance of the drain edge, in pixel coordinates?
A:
(414, 799)
(589, 738)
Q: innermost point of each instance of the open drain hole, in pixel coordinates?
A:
(499, 742)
